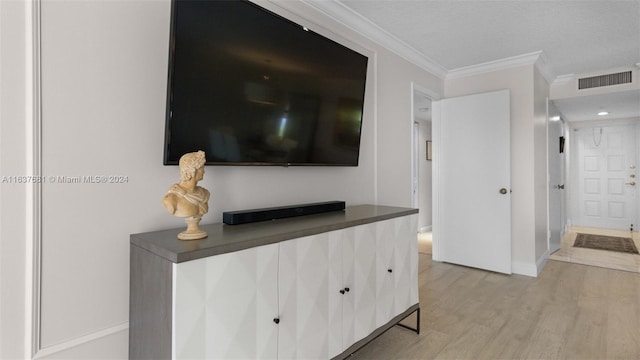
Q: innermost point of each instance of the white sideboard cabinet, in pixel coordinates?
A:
(313, 287)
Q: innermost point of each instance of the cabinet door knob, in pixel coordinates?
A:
(342, 291)
(276, 320)
(346, 289)
(390, 270)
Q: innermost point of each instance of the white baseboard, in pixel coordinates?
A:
(425, 229)
(83, 340)
(542, 261)
(521, 268)
(527, 269)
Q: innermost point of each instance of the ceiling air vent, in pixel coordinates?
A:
(604, 80)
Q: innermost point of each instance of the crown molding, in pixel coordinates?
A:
(356, 22)
(534, 58)
(544, 69)
(563, 79)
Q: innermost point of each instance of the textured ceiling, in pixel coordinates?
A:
(621, 105)
(576, 37)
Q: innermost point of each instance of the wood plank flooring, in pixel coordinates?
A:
(570, 311)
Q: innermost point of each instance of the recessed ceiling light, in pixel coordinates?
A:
(603, 113)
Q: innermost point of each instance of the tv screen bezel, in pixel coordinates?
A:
(168, 118)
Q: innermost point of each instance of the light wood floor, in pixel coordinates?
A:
(570, 311)
(425, 240)
(602, 258)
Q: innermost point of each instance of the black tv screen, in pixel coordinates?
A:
(250, 87)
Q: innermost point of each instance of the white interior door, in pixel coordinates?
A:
(556, 184)
(472, 201)
(606, 189)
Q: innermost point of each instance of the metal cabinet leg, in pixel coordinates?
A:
(417, 328)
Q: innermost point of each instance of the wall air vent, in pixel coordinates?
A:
(604, 80)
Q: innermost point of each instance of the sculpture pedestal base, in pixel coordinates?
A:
(193, 232)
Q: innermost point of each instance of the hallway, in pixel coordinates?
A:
(602, 258)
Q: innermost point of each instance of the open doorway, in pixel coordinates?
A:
(422, 166)
(602, 197)
(557, 140)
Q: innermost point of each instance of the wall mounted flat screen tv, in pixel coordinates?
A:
(250, 87)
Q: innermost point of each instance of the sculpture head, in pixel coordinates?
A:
(190, 163)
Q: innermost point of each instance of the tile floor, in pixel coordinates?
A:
(602, 258)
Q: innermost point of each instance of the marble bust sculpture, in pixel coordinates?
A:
(186, 199)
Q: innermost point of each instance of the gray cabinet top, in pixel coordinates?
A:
(225, 238)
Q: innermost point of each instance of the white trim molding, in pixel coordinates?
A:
(35, 251)
(533, 58)
(95, 336)
(544, 69)
(542, 261)
(564, 79)
(436, 123)
(522, 268)
(528, 269)
(19, 95)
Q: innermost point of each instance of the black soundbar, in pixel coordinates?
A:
(255, 215)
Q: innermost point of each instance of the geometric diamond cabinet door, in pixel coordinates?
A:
(414, 293)
(362, 269)
(309, 298)
(386, 235)
(225, 306)
(396, 265)
(406, 263)
(348, 301)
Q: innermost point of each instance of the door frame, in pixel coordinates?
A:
(563, 172)
(415, 143)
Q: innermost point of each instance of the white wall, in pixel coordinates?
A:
(15, 106)
(395, 122)
(104, 68)
(520, 82)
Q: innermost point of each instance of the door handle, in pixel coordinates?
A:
(503, 191)
(633, 183)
